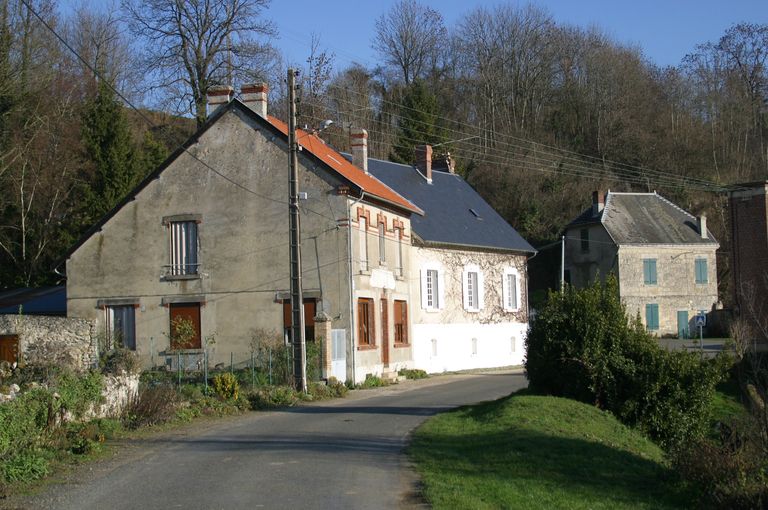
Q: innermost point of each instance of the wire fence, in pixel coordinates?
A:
(272, 366)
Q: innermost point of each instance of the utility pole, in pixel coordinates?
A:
(297, 306)
(562, 264)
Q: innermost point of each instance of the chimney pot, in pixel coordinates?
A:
(598, 202)
(218, 96)
(703, 226)
(254, 95)
(358, 140)
(423, 160)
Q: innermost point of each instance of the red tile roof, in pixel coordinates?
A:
(368, 183)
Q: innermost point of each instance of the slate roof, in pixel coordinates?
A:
(454, 213)
(645, 218)
(35, 301)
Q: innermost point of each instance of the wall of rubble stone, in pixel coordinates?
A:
(59, 340)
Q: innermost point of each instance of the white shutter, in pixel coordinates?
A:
(440, 290)
(505, 291)
(465, 288)
(480, 290)
(514, 292)
(423, 278)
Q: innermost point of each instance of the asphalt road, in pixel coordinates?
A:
(347, 453)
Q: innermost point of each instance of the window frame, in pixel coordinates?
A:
(701, 271)
(399, 269)
(109, 311)
(434, 273)
(505, 291)
(473, 297)
(382, 229)
(364, 255)
(650, 271)
(366, 329)
(183, 262)
(400, 320)
(652, 316)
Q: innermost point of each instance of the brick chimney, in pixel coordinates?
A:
(218, 96)
(254, 96)
(358, 140)
(703, 226)
(422, 160)
(598, 202)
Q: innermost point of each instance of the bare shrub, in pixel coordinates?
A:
(150, 406)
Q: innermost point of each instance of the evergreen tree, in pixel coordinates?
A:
(108, 145)
(418, 123)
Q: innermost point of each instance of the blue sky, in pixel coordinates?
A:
(665, 30)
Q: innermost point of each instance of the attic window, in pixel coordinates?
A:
(477, 215)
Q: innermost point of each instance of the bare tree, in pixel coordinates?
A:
(192, 45)
(411, 37)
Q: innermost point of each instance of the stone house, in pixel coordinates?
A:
(205, 238)
(663, 257)
(468, 270)
(749, 234)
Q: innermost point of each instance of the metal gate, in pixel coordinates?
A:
(339, 354)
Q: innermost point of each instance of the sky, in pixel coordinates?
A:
(664, 30)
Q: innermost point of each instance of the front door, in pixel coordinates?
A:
(9, 348)
(682, 324)
(385, 331)
(185, 326)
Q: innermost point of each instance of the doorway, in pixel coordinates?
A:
(9, 348)
(682, 324)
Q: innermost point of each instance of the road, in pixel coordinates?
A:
(346, 453)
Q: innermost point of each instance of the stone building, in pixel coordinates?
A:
(663, 257)
(205, 239)
(749, 234)
(468, 269)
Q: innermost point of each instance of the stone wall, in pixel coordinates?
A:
(58, 340)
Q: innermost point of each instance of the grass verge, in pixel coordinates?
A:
(527, 451)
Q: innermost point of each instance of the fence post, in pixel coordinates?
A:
(152, 351)
(178, 367)
(231, 362)
(270, 365)
(253, 373)
(205, 370)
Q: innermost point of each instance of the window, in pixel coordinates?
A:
(652, 317)
(510, 295)
(399, 252)
(183, 248)
(512, 344)
(434, 347)
(649, 271)
(363, 243)
(474, 347)
(701, 270)
(473, 289)
(431, 289)
(584, 240)
(310, 310)
(365, 322)
(401, 322)
(382, 244)
(121, 326)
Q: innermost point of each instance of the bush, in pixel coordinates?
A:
(23, 421)
(226, 386)
(26, 465)
(120, 361)
(583, 346)
(151, 406)
(372, 381)
(78, 392)
(413, 373)
(273, 396)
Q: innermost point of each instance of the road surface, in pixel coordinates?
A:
(346, 453)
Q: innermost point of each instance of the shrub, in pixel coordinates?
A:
(152, 405)
(413, 373)
(273, 396)
(120, 361)
(78, 392)
(25, 466)
(23, 420)
(226, 386)
(338, 388)
(583, 346)
(372, 381)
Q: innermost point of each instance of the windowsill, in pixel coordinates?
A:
(511, 310)
(472, 310)
(183, 351)
(400, 346)
(366, 272)
(366, 347)
(431, 310)
(177, 277)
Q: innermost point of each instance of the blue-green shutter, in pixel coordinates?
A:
(701, 270)
(652, 316)
(649, 271)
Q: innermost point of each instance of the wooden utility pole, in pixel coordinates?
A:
(297, 306)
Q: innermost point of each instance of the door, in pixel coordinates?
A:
(339, 354)
(185, 326)
(385, 332)
(9, 348)
(682, 324)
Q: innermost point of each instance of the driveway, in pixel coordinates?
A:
(346, 453)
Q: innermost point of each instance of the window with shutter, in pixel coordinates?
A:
(649, 271)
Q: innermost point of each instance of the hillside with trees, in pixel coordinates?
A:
(536, 113)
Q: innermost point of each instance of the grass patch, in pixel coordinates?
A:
(528, 451)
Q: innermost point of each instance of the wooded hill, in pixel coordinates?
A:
(537, 114)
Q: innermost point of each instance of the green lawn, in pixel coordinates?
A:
(529, 451)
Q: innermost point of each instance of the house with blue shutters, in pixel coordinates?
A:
(663, 257)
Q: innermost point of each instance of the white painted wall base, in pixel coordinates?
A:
(449, 347)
